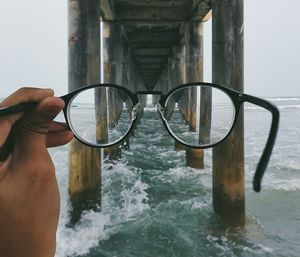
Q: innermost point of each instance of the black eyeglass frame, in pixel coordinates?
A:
(237, 98)
(69, 97)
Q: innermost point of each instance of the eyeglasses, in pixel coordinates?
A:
(198, 115)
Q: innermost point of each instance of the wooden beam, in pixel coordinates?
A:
(127, 12)
(106, 12)
(228, 70)
(151, 51)
(207, 16)
(156, 66)
(84, 68)
(152, 60)
(194, 73)
(201, 10)
(170, 37)
(113, 73)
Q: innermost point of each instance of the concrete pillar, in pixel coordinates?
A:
(84, 68)
(228, 70)
(194, 73)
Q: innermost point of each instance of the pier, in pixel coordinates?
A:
(157, 45)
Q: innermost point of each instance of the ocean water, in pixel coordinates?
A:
(153, 205)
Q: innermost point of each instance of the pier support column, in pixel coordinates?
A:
(113, 73)
(126, 78)
(84, 68)
(228, 70)
(179, 78)
(194, 73)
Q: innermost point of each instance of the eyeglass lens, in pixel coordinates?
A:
(100, 116)
(199, 115)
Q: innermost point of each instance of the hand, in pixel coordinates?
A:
(29, 197)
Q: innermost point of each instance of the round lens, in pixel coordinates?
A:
(100, 116)
(199, 115)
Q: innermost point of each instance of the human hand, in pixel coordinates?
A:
(29, 197)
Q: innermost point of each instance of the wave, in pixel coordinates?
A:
(290, 106)
(150, 108)
(285, 185)
(225, 244)
(124, 203)
(297, 106)
(275, 99)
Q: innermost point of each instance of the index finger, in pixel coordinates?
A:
(22, 95)
(25, 94)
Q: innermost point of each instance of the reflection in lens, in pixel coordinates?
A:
(100, 116)
(199, 115)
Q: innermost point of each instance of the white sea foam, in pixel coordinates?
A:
(259, 250)
(150, 108)
(226, 245)
(296, 106)
(79, 240)
(196, 204)
(117, 208)
(275, 99)
(180, 172)
(285, 185)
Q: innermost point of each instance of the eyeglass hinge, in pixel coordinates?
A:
(242, 97)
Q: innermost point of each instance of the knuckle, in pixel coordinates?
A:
(29, 92)
(24, 90)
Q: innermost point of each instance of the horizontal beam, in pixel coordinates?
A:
(153, 37)
(155, 10)
(151, 66)
(150, 60)
(151, 44)
(164, 3)
(128, 12)
(163, 51)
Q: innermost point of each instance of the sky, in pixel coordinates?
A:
(33, 46)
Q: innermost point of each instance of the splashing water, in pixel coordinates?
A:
(152, 205)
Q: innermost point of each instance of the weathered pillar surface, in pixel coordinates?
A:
(179, 77)
(194, 73)
(84, 68)
(126, 66)
(228, 70)
(179, 74)
(113, 73)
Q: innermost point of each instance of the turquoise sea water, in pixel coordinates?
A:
(152, 205)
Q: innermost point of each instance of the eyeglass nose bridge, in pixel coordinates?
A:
(161, 111)
(134, 111)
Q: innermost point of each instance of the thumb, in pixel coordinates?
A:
(31, 130)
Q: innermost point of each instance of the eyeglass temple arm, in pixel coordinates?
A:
(264, 159)
(26, 107)
(22, 107)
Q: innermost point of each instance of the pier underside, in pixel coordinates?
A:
(152, 29)
(156, 45)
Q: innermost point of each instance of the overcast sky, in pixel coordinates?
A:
(33, 46)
